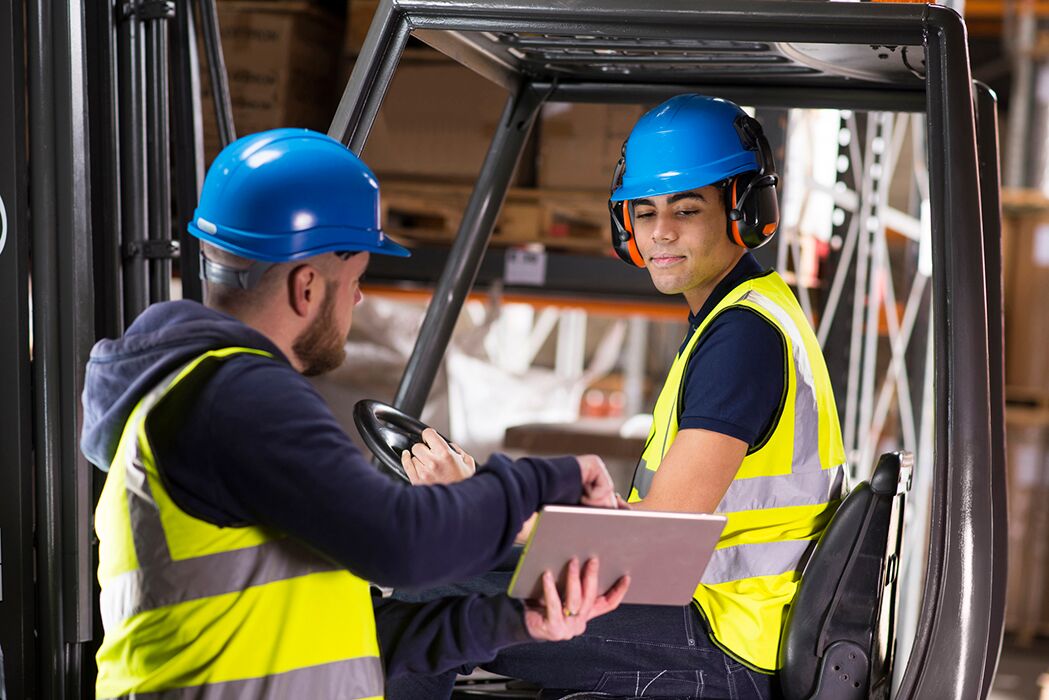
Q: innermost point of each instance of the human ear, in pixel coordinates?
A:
(303, 289)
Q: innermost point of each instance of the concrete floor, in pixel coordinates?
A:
(1019, 670)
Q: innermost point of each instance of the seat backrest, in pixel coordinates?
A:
(840, 634)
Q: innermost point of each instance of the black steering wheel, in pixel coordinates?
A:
(388, 432)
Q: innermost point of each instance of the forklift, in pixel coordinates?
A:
(105, 97)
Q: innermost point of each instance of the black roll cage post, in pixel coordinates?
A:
(523, 46)
(84, 153)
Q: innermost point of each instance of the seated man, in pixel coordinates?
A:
(745, 425)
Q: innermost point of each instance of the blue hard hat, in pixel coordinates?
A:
(689, 141)
(287, 194)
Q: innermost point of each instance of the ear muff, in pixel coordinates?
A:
(753, 209)
(752, 203)
(631, 244)
(621, 215)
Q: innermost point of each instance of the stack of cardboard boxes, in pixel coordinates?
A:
(288, 63)
(281, 58)
(1025, 256)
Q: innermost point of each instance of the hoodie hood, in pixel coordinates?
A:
(120, 372)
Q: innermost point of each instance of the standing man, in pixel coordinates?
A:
(239, 526)
(745, 425)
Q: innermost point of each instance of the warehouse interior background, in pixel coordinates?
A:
(578, 341)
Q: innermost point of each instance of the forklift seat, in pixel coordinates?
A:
(840, 635)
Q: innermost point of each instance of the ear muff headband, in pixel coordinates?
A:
(753, 215)
(732, 215)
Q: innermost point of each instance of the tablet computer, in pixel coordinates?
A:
(665, 554)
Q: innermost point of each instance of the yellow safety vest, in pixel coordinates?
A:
(783, 495)
(193, 610)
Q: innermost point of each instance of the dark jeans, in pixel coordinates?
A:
(635, 651)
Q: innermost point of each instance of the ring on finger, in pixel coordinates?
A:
(568, 612)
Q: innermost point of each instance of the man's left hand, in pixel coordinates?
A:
(553, 621)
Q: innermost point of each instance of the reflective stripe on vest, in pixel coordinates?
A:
(353, 678)
(191, 609)
(784, 492)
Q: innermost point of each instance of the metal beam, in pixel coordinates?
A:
(158, 156)
(371, 76)
(105, 171)
(188, 142)
(209, 23)
(583, 276)
(990, 182)
(956, 635)
(464, 260)
(756, 20)
(63, 326)
(815, 97)
(17, 592)
(134, 193)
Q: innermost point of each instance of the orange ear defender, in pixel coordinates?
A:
(622, 222)
(753, 215)
(628, 223)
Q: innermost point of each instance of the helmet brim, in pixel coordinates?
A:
(241, 243)
(389, 247)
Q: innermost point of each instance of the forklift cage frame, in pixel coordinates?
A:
(89, 236)
(967, 547)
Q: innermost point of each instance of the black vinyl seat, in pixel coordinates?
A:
(839, 639)
(840, 636)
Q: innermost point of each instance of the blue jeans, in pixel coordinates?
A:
(635, 651)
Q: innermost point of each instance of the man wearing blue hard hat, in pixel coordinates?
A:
(239, 526)
(745, 425)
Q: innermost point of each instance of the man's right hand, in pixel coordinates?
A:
(598, 489)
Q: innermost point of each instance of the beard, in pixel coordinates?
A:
(321, 348)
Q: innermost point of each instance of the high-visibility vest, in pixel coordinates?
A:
(194, 610)
(783, 495)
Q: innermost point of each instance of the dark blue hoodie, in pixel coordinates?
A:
(259, 446)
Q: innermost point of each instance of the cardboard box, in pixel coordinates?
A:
(580, 144)
(1027, 468)
(1026, 281)
(281, 58)
(436, 123)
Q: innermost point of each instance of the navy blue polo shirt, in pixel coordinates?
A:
(734, 382)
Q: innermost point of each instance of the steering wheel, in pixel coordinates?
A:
(388, 432)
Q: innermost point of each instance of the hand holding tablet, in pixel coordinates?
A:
(555, 618)
(665, 554)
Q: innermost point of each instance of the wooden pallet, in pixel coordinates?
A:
(1027, 405)
(432, 212)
